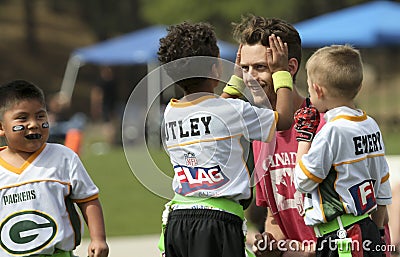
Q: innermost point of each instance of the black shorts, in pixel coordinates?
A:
(365, 236)
(203, 232)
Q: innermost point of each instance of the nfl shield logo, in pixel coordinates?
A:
(191, 159)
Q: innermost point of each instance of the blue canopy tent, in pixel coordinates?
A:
(371, 24)
(138, 47)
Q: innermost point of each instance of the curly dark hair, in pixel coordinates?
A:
(187, 40)
(255, 29)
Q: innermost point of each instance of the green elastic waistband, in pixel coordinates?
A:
(333, 225)
(220, 203)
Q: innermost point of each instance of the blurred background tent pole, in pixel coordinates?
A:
(68, 83)
(153, 121)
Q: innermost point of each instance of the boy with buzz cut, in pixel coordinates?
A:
(40, 182)
(203, 135)
(342, 169)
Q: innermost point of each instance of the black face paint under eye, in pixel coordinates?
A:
(18, 128)
(45, 125)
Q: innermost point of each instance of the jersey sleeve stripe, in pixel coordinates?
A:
(309, 174)
(93, 197)
(273, 128)
(385, 178)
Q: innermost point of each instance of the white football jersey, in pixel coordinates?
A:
(345, 170)
(37, 211)
(204, 141)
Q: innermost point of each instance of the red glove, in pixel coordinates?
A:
(306, 121)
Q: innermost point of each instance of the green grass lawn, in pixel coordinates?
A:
(391, 138)
(129, 208)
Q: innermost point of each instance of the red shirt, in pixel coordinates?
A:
(275, 188)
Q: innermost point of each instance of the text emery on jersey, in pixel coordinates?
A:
(367, 143)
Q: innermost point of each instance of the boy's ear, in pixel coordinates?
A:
(216, 69)
(1, 129)
(293, 66)
(319, 90)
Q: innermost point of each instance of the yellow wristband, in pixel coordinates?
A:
(282, 79)
(235, 86)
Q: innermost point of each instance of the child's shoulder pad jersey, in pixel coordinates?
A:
(37, 212)
(345, 170)
(205, 142)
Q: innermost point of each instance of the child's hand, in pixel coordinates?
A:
(306, 121)
(277, 54)
(237, 71)
(265, 243)
(98, 248)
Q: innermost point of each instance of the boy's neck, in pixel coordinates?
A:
(338, 102)
(193, 96)
(200, 90)
(14, 158)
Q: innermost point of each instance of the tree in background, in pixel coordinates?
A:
(108, 18)
(223, 12)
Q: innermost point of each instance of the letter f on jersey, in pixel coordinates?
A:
(364, 196)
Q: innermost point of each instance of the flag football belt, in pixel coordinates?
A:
(219, 203)
(333, 225)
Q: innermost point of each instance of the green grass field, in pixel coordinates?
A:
(129, 208)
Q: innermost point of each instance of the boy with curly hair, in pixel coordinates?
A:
(203, 135)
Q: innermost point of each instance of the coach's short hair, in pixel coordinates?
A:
(256, 30)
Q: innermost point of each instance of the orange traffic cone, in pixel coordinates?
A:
(73, 140)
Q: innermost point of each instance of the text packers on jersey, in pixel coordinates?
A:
(19, 197)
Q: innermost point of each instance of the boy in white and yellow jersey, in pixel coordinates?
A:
(203, 135)
(343, 169)
(40, 182)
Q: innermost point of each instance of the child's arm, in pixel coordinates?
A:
(235, 86)
(306, 121)
(380, 216)
(302, 149)
(277, 56)
(93, 216)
